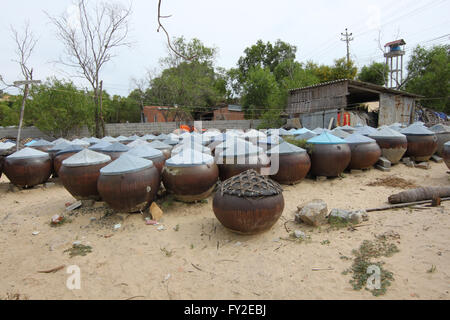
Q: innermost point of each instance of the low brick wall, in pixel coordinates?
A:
(128, 129)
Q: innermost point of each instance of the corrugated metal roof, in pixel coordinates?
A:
(234, 107)
(362, 85)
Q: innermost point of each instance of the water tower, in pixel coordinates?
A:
(393, 51)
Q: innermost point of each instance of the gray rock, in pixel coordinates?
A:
(314, 213)
(382, 161)
(437, 159)
(384, 169)
(340, 213)
(356, 217)
(423, 165)
(299, 234)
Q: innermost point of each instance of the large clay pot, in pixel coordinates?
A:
(446, 154)
(248, 210)
(422, 143)
(115, 150)
(2, 159)
(62, 155)
(190, 175)
(128, 184)
(79, 173)
(442, 133)
(329, 155)
(365, 151)
(238, 156)
(293, 163)
(27, 167)
(149, 153)
(392, 143)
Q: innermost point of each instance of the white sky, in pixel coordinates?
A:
(232, 25)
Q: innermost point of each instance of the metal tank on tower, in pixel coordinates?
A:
(394, 51)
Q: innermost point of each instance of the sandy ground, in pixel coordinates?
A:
(206, 261)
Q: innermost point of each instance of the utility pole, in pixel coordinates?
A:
(22, 109)
(347, 39)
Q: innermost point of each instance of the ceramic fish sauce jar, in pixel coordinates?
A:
(446, 153)
(329, 155)
(248, 203)
(79, 173)
(128, 184)
(293, 163)
(63, 154)
(190, 175)
(149, 153)
(442, 133)
(115, 150)
(422, 143)
(392, 143)
(27, 167)
(365, 151)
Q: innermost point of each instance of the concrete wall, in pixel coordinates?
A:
(127, 129)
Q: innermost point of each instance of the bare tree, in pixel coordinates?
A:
(25, 44)
(90, 42)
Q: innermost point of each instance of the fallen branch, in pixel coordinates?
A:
(402, 205)
(322, 269)
(52, 270)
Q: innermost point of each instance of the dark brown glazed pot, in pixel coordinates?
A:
(364, 155)
(81, 181)
(43, 148)
(446, 154)
(191, 183)
(2, 159)
(292, 168)
(158, 162)
(129, 192)
(27, 172)
(421, 147)
(248, 203)
(392, 148)
(230, 166)
(442, 138)
(329, 160)
(166, 152)
(57, 161)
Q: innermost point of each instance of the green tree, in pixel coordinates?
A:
(58, 107)
(9, 112)
(429, 76)
(340, 70)
(265, 55)
(260, 92)
(375, 73)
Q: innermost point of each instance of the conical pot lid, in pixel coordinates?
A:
(60, 140)
(347, 128)
(108, 139)
(320, 130)
(189, 158)
(126, 163)
(306, 136)
(137, 142)
(286, 148)
(159, 145)
(162, 137)
(149, 137)
(300, 131)
(271, 140)
(366, 130)
(93, 140)
(416, 130)
(339, 133)
(79, 142)
(171, 142)
(356, 138)
(60, 146)
(28, 153)
(440, 128)
(6, 145)
(250, 184)
(116, 147)
(252, 133)
(70, 149)
(386, 132)
(326, 138)
(122, 138)
(188, 145)
(86, 157)
(145, 151)
(42, 143)
(240, 149)
(100, 145)
(447, 144)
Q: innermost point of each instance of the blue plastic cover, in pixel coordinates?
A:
(326, 138)
(86, 157)
(42, 143)
(116, 147)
